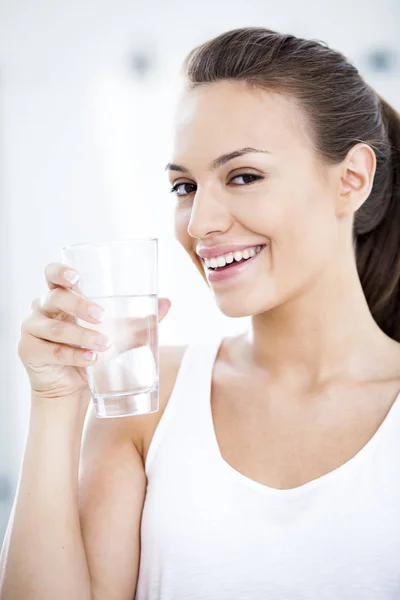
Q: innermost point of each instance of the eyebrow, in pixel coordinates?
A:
(220, 161)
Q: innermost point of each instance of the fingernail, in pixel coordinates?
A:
(101, 342)
(95, 312)
(90, 356)
(71, 276)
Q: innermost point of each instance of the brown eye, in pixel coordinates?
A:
(246, 179)
(183, 189)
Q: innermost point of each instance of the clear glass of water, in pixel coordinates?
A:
(121, 277)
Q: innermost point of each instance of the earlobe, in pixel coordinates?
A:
(357, 177)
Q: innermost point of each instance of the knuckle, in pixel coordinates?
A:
(62, 316)
(58, 353)
(53, 296)
(22, 344)
(46, 272)
(25, 325)
(35, 305)
(49, 271)
(57, 328)
(25, 346)
(43, 301)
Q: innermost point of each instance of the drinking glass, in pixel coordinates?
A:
(121, 277)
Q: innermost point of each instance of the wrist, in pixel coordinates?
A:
(64, 409)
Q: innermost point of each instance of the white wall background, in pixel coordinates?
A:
(83, 143)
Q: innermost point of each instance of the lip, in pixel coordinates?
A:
(214, 251)
(233, 272)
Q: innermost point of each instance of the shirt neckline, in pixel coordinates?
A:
(309, 485)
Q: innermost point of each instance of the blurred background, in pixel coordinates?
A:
(87, 93)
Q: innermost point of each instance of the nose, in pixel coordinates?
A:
(209, 215)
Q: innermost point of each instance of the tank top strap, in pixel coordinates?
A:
(189, 401)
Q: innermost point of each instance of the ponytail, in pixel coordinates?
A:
(378, 251)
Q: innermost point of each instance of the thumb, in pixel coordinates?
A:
(163, 308)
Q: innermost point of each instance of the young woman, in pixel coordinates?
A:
(272, 469)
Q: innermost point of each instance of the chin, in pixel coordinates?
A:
(245, 308)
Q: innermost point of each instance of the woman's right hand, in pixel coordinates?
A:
(55, 350)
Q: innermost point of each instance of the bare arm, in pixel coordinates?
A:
(43, 556)
(74, 530)
(79, 537)
(112, 490)
(111, 495)
(67, 543)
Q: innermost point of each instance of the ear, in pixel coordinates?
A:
(357, 178)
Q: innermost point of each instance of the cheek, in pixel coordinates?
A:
(182, 219)
(299, 225)
(304, 237)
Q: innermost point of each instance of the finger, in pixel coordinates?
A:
(58, 302)
(163, 308)
(129, 333)
(63, 332)
(37, 353)
(38, 306)
(58, 274)
(35, 306)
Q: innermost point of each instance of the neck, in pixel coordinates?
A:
(325, 333)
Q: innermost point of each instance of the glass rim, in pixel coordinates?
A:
(88, 245)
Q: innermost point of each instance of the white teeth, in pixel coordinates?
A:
(221, 261)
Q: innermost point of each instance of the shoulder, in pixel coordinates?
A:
(144, 426)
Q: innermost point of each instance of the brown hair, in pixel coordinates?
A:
(342, 110)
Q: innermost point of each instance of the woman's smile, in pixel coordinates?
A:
(229, 266)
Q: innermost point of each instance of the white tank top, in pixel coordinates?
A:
(210, 533)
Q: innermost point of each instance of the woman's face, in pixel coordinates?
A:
(246, 176)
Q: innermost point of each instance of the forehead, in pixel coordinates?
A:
(220, 117)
